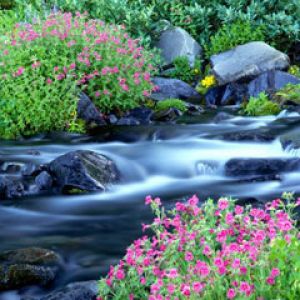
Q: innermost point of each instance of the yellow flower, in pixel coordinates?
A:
(208, 81)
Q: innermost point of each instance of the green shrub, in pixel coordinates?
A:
(171, 103)
(230, 36)
(8, 19)
(44, 66)
(183, 70)
(261, 106)
(289, 93)
(294, 70)
(7, 4)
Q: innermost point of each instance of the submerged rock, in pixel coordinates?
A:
(173, 88)
(270, 82)
(75, 291)
(84, 171)
(246, 61)
(25, 267)
(11, 188)
(260, 166)
(177, 42)
(291, 140)
(167, 115)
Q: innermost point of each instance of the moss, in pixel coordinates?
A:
(171, 103)
(289, 93)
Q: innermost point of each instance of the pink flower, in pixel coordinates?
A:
(20, 71)
(72, 66)
(49, 81)
(60, 76)
(97, 94)
(297, 202)
(275, 272)
(185, 290)
(189, 256)
(223, 204)
(146, 94)
(56, 69)
(120, 275)
(207, 250)
(230, 293)
(198, 287)
(238, 210)
(35, 65)
(236, 263)
(171, 288)
(243, 270)
(143, 280)
(245, 287)
(270, 281)
(148, 200)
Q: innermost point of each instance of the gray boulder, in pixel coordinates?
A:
(173, 88)
(270, 82)
(177, 42)
(25, 267)
(84, 171)
(291, 139)
(246, 61)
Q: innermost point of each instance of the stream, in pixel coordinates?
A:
(92, 231)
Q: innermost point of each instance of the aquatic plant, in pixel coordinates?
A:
(213, 251)
(261, 106)
(44, 66)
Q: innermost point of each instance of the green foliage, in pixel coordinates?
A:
(201, 18)
(294, 70)
(183, 70)
(7, 4)
(171, 103)
(44, 66)
(8, 19)
(230, 36)
(261, 106)
(289, 93)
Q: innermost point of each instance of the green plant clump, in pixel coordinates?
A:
(171, 103)
(232, 35)
(44, 66)
(211, 251)
(261, 106)
(290, 92)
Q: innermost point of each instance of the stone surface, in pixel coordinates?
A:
(167, 115)
(141, 114)
(222, 116)
(173, 88)
(87, 111)
(25, 267)
(246, 61)
(83, 170)
(291, 139)
(11, 188)
(260, 166)
(177, 42)
(44, 181)
(270, 82)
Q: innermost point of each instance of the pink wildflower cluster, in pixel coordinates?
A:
(213, 251)
(102, 59)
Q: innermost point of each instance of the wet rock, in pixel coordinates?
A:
(112, 119)
(246, 61)
(194, 110)
(128, 121)
(83, 170)
(222, 116)
(177, 42)
(75, 291)
(141, 114)
(235, 93)
(31, 169)
(260, 166)
(270, 82)
(87, 111)
(291, 140)
(10, 167)
(260, 178)
(173, 88)
(167, 115)
(11, 188)
(25, 267)
(44, 181)
(214, 95)
(248, 135)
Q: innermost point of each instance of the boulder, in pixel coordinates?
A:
(25, 267)
(270, 82)
(167, 115)
(44, 181)
(87, 111)
(260, 166)
(141, 114)
(173, 88)
(222, 116)
(75, 291)
(84, 171)
(246, 61)
(11, 188)
(177, 42)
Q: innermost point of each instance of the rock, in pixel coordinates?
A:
(44, 181)
(25, 267)
(128, 121)
(194, 110)
(75, 291)
(270, 82)
(235, 93)
(222, 116)
(177, 42)
(214, 95)
(260, 166)
(173, 88)
(246, 61)
(112, 119)
(260, 178)
(291, 140)
(248, 135)
(9, 168)
(167, 115)
(87, 111)
(141, 114)
(11, 188)
(31, 169)
(83, 170)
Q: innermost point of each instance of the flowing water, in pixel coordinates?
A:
(91, 231)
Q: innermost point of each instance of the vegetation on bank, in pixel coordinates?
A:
(212, 251)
